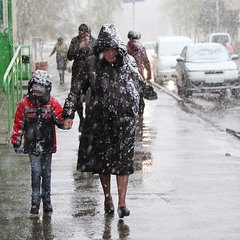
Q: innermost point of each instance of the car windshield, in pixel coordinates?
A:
(171, 48)
(199, 53)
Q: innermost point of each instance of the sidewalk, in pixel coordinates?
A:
(185, 187)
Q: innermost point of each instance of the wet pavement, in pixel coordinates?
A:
(186, 184)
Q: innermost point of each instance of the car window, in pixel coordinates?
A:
(210, 53)
(183, 53)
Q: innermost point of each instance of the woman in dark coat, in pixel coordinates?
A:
(81, 47)
(107, 139)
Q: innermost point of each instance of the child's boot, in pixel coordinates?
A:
(34, 209)
(47, 207)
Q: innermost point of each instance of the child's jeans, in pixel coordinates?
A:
(41, 177)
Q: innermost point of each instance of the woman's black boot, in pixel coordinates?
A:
(123, 212)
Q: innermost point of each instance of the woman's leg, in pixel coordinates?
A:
(122, 184)
(106, 186)
(61, 76)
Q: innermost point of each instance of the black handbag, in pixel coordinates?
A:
(149, 93)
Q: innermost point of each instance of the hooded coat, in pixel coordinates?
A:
(107, 139)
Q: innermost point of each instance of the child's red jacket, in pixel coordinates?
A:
(36, 126)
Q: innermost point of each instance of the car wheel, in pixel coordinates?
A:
(188, 93)
(181, 91)
(160, 82)
(184, 92)
(236, 92)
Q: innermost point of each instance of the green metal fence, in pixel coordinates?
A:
(13, 82)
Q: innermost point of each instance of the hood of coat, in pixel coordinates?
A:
(109, 37)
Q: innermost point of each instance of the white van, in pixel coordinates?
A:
(167, 50)
(219, 37)
(223, 38)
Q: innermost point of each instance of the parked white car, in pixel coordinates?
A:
(206, 67)
(167, 49)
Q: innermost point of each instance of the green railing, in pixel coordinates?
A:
(12, 82)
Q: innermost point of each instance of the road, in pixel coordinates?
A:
(186, 184)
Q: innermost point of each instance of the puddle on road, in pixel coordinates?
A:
(143, 139)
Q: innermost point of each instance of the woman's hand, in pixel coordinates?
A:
(68, 123)
(84, 41)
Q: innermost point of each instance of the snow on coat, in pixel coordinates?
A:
(35, 125)
(79, 56)
(107, 139)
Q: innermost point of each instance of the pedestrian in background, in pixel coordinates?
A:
(136, 49)
(107, 140)
(79, 50)
(35, 119)
(61, 50)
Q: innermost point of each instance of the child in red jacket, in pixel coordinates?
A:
(35, 119)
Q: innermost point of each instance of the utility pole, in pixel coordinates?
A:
(178, 17)
(133, 2)
(217, 15)
(133, 14)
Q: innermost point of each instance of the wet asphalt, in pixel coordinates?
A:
(186, 184)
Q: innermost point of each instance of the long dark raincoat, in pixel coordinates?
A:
(107, 139)
(79, 56)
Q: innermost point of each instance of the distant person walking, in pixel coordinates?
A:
(61, 50)
(107, 140)
(34, 128)
(136, 49)
(81, 47)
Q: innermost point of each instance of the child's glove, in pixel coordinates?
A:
(17, 149)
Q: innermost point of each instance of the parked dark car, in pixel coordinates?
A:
(206, 67)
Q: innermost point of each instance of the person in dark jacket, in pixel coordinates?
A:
(138, 52)
(79, 50)
(35, 119)
(107, 139)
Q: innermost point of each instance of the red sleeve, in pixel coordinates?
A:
(18, 125)
(57, 112)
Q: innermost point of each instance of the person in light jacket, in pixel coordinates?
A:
(61, 50)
